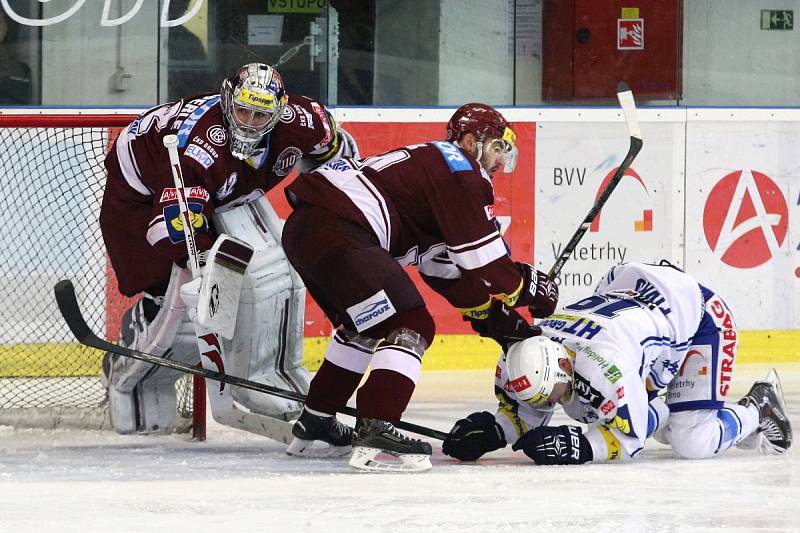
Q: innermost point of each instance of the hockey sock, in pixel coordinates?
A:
(331, 387)
(384, 396)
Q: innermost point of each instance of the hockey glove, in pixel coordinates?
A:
(561, 445)
(539, 292)
(504, 325)
(474, 436)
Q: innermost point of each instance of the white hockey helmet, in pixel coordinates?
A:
(252, 101)
(534, 371)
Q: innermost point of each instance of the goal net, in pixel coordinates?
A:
(51, 188)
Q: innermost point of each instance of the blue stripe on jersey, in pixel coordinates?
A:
(186, 128)
(730, 428)
(652, 420)
(453, 156)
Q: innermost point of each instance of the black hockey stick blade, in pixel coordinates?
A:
(626, 102)
(70, 310)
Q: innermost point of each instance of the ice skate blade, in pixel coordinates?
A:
(366, 459)
(316, 449)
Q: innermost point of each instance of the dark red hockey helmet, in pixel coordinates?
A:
(485, 122)
(480, 119)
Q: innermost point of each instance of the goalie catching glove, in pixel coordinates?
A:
(504, 325)
(474, 436)
(561, 445)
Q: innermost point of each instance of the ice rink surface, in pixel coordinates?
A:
(88, 481)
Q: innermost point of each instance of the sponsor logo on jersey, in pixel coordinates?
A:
(288, 114)
(607, 407)
(489, 212)
(185, 126)
(287, 159)
(613, 374)
(339, 164)
(745, 219)
(170, 194)
(217, 135)
(227, 187)
(371, 311)
(326, 124)
(453, 156)
(174, 221)
(620, 393)
(586, 392)
(198, 154)
(623, 421)
(497, 372)
(728, 341)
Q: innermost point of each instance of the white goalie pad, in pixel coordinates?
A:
(221, 284)
(267, 345)
(142, 396)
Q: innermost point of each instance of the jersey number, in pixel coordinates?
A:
(603, 306)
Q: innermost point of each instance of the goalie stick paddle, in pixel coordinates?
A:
(626, 102)
(70, 310)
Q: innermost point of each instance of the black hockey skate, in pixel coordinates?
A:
(375, 437)
(317, 435)
(774, 434)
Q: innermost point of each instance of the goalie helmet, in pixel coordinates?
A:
(252, 101)
(490, 128)
(534, 371)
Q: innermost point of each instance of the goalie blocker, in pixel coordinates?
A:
(246, 321)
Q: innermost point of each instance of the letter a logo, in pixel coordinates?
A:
(745, 219)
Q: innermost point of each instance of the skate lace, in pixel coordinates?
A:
(771, 430)
(396, 433)
(340, 429)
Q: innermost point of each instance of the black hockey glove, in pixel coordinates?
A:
(539, 292)
(474, 436)
(504, 325)
(561, 445)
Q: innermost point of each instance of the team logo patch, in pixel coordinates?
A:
(174, 221)
(287, 159)
(199, 155)
(227, 187)
(288, 114)
(217, 135)
(371, 311)
(170, 194)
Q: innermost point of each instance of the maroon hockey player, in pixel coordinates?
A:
(233, 146)
(355, 225)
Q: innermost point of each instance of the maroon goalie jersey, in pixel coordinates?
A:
(429, 205)
(139, 218)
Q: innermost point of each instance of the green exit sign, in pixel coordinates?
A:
(777, 19)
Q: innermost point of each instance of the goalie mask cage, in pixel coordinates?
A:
(51, 188)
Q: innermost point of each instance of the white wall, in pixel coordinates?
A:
(729, 60)
(80, 56)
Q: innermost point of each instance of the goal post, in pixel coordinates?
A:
(51, 187)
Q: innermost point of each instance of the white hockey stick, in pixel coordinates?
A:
(171, 144)
(625, 97)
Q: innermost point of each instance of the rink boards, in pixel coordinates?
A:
(715, 191)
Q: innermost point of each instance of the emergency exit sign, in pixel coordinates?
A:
(777, 19)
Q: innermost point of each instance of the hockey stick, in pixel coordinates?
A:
(171, 144)
(626, 102)
(70, 310)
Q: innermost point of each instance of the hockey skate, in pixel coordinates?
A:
(774, 434)
(316, 435)
(373, 438)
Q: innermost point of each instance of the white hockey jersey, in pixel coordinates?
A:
(628, 339)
